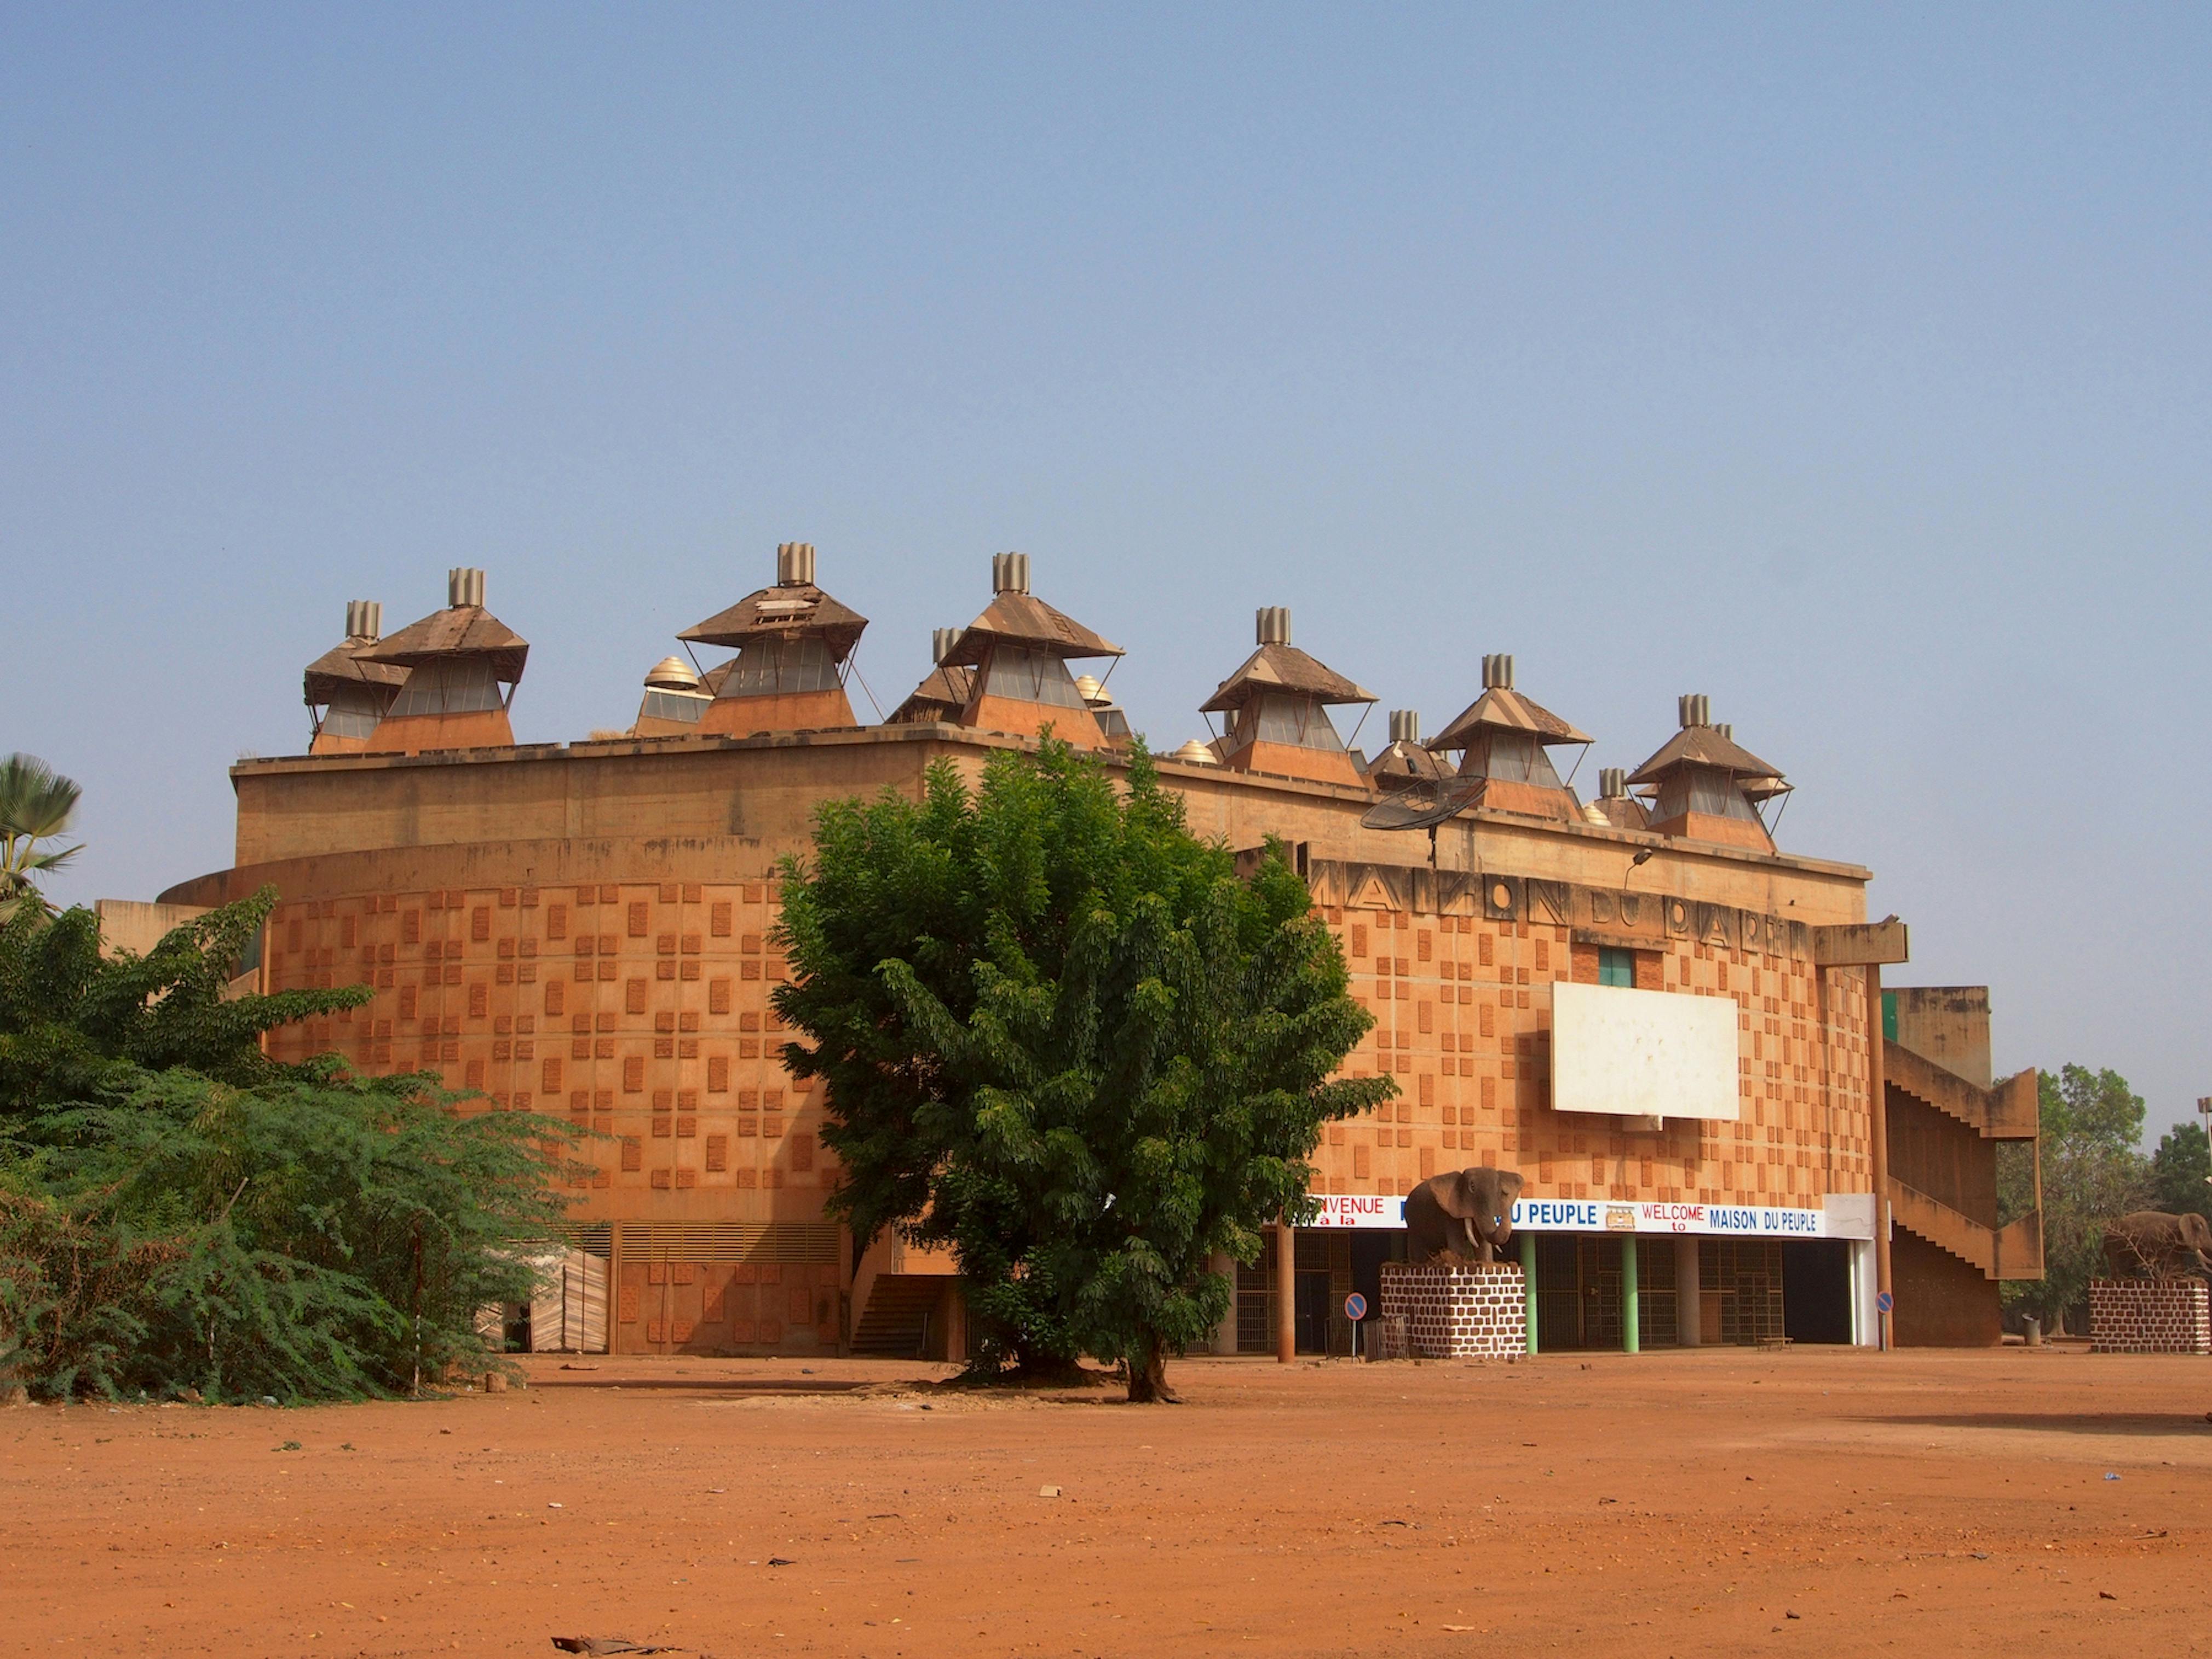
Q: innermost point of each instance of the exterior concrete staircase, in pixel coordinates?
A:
(2001, 1252)
(894, 1325)
(2007, 1111)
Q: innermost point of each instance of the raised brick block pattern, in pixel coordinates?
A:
(2149, 1315)
(1446, 1312)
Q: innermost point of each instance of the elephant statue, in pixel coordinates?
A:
(1466, 1215)
(2151, 1243)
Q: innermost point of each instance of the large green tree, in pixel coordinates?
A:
(1063, 1037)
(2180, 1168)
(2091, 1125)
(36, 805)
(71, 1018)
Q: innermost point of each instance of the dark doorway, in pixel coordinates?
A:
(1816, 1290)
(1313, 1312)
(1370, 1249)
(1559, 1312)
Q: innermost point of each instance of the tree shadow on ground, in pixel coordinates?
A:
(2107, 1423)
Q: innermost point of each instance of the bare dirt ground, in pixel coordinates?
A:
(1819, 1502)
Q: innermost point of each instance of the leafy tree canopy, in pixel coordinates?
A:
(71, 1020)
(1062, 1037)
(2178, 1168)
(300, 1239)
(36, 805)
(2091, 1123)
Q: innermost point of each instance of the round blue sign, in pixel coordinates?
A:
(1355, 1307)
(1885, 1302)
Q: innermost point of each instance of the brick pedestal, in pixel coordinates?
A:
(1448, 1312)
(2147, 1315)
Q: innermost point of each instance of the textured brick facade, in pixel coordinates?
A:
(1476, 1312)
(636, 1010)
(586, 931)
(639, 1011)
(2149, 1315)
(1458, 975)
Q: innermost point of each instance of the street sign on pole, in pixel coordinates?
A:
(1884, 1303)
(1355, 1309)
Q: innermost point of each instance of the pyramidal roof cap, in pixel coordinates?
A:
(944, 689)
(1016, 617)
(1403, 760)
(462, 630)
(345, 663)
(793, 609)
(1705, 746)
(1501, 705)
(1283, 668)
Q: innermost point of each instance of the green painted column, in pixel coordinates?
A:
(1528, 1285)
(1631, 1299)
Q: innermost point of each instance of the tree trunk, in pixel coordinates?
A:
(1148, 1374)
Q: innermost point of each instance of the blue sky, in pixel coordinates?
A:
(1849, 365)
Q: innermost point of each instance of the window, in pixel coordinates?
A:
(1702, 789)
(679, 707)
(770, 666)
(1032, 677)
(355, 711)
(1616, 966)
(1300, 722)
(461, 687)
(1511, 756)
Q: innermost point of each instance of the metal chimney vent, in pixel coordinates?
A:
(1728, 731)
(1405, 725)
(1612, 782)
(1497, 672)
(464, 586)
(1272, 624)
(364, 619)
(794, 564)
(941, 641)
(1694, 708)
(1010, 573)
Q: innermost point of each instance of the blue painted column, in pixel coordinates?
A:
(1529, 1286)
(1631, 1300)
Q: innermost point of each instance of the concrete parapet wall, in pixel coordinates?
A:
(1453, 1312)
(2149, 1315)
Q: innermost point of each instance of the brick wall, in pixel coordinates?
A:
(637, 1010)
(1452, 1312)
(1462, 1006)
(2149, 1315)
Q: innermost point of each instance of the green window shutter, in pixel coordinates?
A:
(1616, 966)
(1889, 1015)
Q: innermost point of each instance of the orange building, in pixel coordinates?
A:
(588, 929)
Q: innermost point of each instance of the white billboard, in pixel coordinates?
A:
(1643, 1054)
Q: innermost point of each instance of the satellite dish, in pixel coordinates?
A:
(1422, 805)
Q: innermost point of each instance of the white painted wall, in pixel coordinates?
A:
(1644, 1053)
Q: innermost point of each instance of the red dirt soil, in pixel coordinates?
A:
(1823, 1502)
